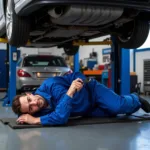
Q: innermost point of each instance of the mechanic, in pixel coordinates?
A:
(61, 97)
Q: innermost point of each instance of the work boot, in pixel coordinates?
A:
(145, 105)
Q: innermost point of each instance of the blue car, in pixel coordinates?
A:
(48, 23)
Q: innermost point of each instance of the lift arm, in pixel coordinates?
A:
(78, 43)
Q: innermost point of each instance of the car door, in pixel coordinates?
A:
(2, 18)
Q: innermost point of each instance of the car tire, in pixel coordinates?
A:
(70, 49)
(138, 37)
(17, 28)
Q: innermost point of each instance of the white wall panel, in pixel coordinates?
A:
(2, 46)
(140, 56)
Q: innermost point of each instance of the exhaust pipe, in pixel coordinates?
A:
(84, 15)
(56, 12)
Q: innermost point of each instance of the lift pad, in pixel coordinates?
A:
(75, 43)
(3, 40)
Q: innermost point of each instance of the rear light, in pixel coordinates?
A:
(69, 72)
(22, 73)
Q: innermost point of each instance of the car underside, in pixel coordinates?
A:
(57, 23)
(62, 24)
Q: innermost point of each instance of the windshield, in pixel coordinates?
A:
(43, 61)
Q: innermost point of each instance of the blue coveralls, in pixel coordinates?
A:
(94, 99)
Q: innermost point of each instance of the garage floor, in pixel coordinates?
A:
(121, 136)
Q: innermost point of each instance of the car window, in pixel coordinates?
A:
(42, 61)
(19, 62)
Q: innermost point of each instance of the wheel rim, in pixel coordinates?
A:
(127, 38)
(123, 39)
(9, 20)
(67, 49)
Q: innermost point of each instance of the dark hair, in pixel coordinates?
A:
(16, 105)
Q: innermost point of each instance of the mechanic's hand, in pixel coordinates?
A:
(75, 86)
(26, 118)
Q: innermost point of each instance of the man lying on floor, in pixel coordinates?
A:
(59, 98)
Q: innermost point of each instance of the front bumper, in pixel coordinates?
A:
(26, 7)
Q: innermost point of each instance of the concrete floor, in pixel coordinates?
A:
(121, 136)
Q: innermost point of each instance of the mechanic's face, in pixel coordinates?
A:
(31, 104)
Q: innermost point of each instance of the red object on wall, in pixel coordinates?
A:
(101, 67)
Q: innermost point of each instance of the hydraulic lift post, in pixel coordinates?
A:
(125, 72)
(76, 62)
(120, 67)
(7, 101)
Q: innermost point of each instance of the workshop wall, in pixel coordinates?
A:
(140, 56)
(2, 46)
(131, 60)
(84, 52)
(52, 51)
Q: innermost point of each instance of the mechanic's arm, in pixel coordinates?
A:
(62, 111)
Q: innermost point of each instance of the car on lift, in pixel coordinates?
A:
(48, 23)
(32, 70)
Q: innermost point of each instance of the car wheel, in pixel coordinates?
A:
(136, 37)
(70, 49)
(17, 28)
